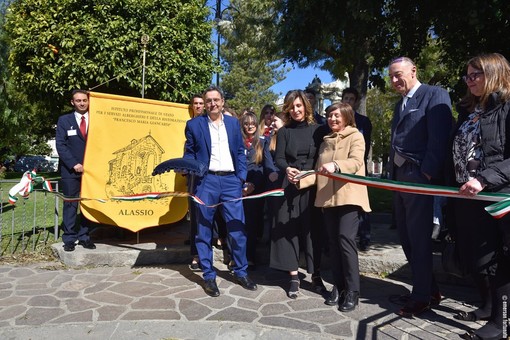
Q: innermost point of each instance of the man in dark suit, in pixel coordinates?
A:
(312, 98)
(351, 96)
(420, 129)
(70, 141)
(215, 139)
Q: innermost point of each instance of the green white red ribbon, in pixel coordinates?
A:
(497, 210)
(30, 178)
(26, 186)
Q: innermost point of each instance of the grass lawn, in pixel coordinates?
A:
(29, 224)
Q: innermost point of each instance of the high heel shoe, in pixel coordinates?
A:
(350, 302)
(469, 316)
(333, 297)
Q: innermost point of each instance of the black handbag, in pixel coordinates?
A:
(450, 259)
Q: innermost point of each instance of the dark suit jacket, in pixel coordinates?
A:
(364, 126)
(420, 133)
(198, 142)
(70, 145)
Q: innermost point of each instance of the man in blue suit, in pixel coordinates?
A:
(420, 130)
(70, 141)
(215, 139)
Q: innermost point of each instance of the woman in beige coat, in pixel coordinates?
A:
(342, 151)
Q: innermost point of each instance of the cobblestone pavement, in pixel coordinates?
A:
(47, 300)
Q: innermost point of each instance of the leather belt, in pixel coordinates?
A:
(220, 173)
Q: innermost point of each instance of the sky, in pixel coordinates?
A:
(299, 78)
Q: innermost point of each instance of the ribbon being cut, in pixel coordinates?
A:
(179, 165)
(496, 210)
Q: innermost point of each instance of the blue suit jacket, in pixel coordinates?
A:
(70, 145)
(421, 131)
(198, 142)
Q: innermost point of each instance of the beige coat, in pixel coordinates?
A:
(346, 149)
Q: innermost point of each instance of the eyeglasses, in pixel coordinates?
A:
(472, 76)
(250, 124)
(212, 100)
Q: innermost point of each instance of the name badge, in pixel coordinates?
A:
(72, 132)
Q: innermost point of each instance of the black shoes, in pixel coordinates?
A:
(487, 332)
(293, 289)
(87, 244)
(69, 246)
(333, 297)
(194, 265)
(350, 302)
(211, 288)
(318, 285)
(363, 245)
(245, 282)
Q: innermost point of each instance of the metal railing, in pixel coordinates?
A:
(29, 224)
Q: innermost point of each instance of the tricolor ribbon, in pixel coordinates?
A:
(29, 179)
(497, 210)
(26, 186)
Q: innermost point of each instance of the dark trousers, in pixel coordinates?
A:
(254, 215)
(413, 214)
(319, 237)
(211, 190)
(500, 284)
(364, 227)
(72, 232)
(342, 226)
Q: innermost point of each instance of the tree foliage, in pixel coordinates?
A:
(346, 36)
(249, 70)
(58, 45)
(380, 106)
(52, 46)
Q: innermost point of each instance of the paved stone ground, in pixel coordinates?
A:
(41, 302)
(50, 300)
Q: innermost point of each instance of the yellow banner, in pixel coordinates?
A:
(127, 138)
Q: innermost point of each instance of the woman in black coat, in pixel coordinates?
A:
(481, 161)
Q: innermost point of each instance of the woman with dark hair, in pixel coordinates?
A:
(481, 161)
(296, 150)
(265, 119)
(342, 151)
(260, 163)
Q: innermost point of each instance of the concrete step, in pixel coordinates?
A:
(118, 247)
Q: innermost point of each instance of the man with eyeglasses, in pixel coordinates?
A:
(422, 121)
(215, 139)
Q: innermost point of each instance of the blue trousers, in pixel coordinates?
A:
(214, 189)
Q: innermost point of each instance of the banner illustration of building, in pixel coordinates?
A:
(127, 138)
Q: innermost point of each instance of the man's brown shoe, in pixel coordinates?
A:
(413, 308)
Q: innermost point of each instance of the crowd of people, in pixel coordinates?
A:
(252, 153)
(427, 147)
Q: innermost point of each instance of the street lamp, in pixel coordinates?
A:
(218, 19)
(144, 40)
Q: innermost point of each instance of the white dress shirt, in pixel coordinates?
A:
(221, 160)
